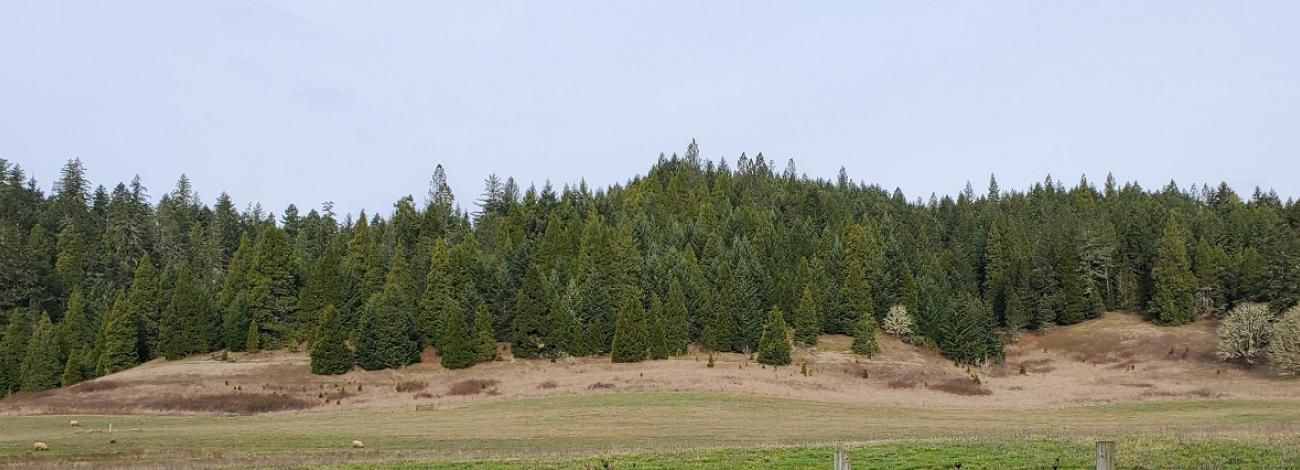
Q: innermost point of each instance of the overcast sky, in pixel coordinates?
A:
(355, 102)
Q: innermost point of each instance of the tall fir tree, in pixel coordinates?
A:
(864, 335)
(385, 339)
(144, 302)
(329, 350)
(42, 364)
(439, 296)
(656, 336)
(630, 342)
(458, 348)
(528, 328)
(807, 321)
(186, 326)
(13, 349)
(774, 346)
(273, 297)
(485, 345)
(120, 342)
(1173, 297)
(235, 322)
(677, 326)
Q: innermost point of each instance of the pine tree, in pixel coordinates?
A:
(144, 304)
(120, 342)
(186, 326)
(324, 288)
(329, 350)
(864, 335)
(630, 344)
(1173, 298)
(774, 346)
(656, 336)
(485, 345)
(560, 322)
(458, 346)
(807, 321)
(42, 365)
(75, 369)
(677, 327)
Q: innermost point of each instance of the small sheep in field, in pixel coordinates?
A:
(40, 446)
(74, 423)
(358, 445)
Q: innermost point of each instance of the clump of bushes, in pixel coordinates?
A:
(1252, 334)
(471, 386)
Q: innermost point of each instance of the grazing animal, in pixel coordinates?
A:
(40, 446)
(74, 423)
(358, 445)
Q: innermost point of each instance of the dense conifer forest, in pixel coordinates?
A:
(739, 256)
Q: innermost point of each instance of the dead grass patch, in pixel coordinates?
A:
(600, 386)
(471, 387)
(97, 386)
(411, 386)
(902, 382)
(963, 387)
(547, 385)
(229, 403)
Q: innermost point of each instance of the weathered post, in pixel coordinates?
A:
(1106, 455)
(842, 460)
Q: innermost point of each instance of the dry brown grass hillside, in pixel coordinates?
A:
(1119, 357)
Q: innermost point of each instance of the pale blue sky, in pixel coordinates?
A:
(356, 102)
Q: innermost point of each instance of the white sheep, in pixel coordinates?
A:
(74, 423)
(40, 446)
(358, 445)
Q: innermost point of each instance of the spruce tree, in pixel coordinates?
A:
(13, 349)
(677, 327)
(859, 265)
(75, 369)
(774, 346)
(864, 335)
(485, 345)
(656, 336)
(253, 337)
(1173, 298)
(42, 365)
(272, 299)
(438, 297)
(186, 326)
(329, 349)
(560, 322)
(384, 340)
(807, 321)
(234, 323)
(120, 343)
(528, 329)
(458, 345)
(630, 344)
(325, 287)
(144, 302)
(75, 331)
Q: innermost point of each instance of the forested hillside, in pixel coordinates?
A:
(93, 281)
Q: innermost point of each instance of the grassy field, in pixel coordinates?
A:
(665, 429)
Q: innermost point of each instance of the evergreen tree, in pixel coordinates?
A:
(329, 351)
(42, 362)
(677, 327)
(864, 335)
(774, 346)
(485, 345)
(439, 297)
(253, 337)
(186, 325)
(458, 347)
(75, 369)
(384, 340)
(807, 324)
(75, 331)
(235, 324)
(272, 299)
(13, 349)
(860, 260)
(656, 336)
(1173, 297)
(630, 343)
(120, 342)
(144, 304)
(324, 288)
(528, 328)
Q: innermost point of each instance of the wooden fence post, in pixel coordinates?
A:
(1106, 455)
(842, 460)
